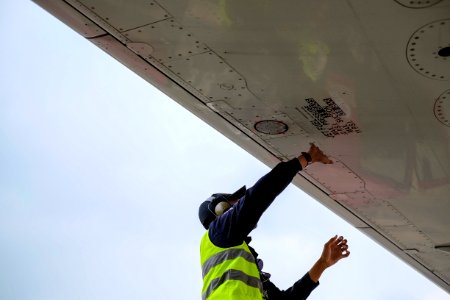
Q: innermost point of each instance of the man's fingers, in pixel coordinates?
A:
(333, 243)
(338, 240)
(344, 248)
(342, 242)
(337, 243)
(342, 245)
(331, 240)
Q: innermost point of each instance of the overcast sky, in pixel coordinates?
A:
(101, 176)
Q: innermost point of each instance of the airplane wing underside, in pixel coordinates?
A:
(368, 81)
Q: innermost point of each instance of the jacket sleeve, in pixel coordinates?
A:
(299, 291)
(235, 225)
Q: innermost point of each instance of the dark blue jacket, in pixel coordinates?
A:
(233, 227)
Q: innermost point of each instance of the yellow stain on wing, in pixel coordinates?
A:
(314, 56)
(223, 14)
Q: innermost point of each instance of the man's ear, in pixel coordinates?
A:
(221, 208)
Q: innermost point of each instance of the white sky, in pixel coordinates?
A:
(101, 176)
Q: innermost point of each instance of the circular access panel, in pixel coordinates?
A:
(271, 127)
(428, 50)
(417, 3)
(442, 108)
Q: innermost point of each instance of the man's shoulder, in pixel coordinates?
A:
(223, 234)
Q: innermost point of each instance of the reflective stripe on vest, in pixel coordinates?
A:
(223, 256)
(229, 273)
(233, 275)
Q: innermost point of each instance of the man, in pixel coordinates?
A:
(231, 268)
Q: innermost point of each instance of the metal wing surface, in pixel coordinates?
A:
(368, 81)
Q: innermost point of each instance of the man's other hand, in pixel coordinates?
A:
(334, 250)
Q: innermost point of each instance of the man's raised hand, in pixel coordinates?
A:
(317, 155)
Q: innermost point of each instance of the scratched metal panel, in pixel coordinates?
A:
(338, 178)
(410, 237)
(216, 80)
(377, 212)
(170, 40)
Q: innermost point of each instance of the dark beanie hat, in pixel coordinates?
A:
(206, 210)
(206, 215)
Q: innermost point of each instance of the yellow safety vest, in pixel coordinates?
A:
(229, 273)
